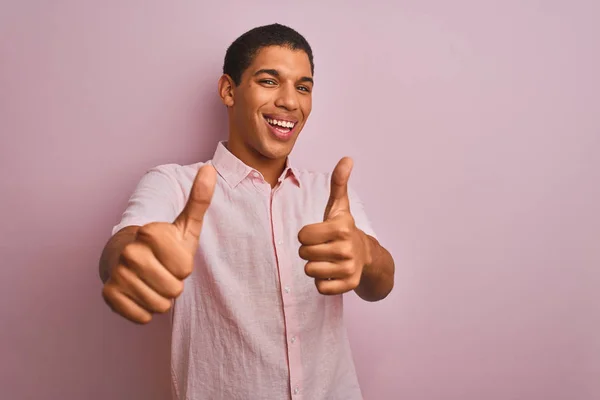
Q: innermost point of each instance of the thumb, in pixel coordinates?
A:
(338, 196)
(189, 222)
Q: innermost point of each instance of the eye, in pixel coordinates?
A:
(304, 89)
(269, 82)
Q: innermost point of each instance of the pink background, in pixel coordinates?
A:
(474, 127)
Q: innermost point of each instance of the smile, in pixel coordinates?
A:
(277, 123)
(280, 127)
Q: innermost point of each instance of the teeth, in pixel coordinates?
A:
(284, 124)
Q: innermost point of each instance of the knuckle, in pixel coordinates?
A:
(135, 257)
(345, 250)
(348, 269)
(302, 235)
(344, 230)
(308, 269)
(109, 296)
(162, 306)
(151, 232)
(149, 229)
(175, 289)
(183, 271)
(181, 265)
(187, 268)
(320, 287)
(128, 254)
(108, 293)
(302, 252)
(118, 274)
(145, 232)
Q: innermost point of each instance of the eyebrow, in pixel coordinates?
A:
(275, 73)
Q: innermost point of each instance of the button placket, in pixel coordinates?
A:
(284, 268)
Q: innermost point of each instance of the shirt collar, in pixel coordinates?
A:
(233, 170)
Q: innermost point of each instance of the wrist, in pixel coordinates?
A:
(369, 251)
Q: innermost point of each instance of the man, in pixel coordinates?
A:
(249, 254)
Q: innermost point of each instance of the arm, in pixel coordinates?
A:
(154, 200)
(112, 250)
(143, 266)
(377, 278)
(341, 255)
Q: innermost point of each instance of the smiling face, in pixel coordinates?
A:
(269, 107)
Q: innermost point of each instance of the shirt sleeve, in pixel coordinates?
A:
(357, 208)
(155, 199)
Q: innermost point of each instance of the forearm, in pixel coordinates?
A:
(112, 251)
(377, 279)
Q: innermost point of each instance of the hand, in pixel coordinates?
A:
(152, 268)
(336, 250)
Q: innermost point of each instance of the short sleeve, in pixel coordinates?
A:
(155, 199)
(357, 209)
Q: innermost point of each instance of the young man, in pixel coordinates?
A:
(264, 250)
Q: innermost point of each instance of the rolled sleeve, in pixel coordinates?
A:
(155, 199)
(357, 208)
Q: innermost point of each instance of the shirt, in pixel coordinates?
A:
(250, 324)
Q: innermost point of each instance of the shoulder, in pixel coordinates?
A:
(312, 180)
(170, 182)
(176, 173)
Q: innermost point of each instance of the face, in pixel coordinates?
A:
(270, 106)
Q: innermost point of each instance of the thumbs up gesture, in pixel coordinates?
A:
(335, 250)
(151, 269)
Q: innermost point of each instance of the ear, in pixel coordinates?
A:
(226, 89)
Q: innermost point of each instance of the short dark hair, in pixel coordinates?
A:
(242, 51)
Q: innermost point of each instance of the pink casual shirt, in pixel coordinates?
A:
(250, 324)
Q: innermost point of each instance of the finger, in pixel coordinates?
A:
(332, 287)
(164, 240)
(189, 222)
(124, 306)
(139, 258)
(338, 195)
(131, 285)
(324, 270)
(321, 232)
(333, 251)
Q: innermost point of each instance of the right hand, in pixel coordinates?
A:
(151, 269)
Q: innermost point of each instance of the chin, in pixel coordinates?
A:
(275, 151)
(272, 148)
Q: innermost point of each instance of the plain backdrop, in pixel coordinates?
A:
(474, 129)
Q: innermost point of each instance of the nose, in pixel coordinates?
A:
(287, 97)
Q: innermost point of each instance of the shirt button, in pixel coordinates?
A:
(287, 289)
(280, 242)
(293, 339)
(296, 390)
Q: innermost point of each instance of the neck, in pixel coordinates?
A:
(271, 169)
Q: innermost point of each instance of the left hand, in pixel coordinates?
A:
(336, 250)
